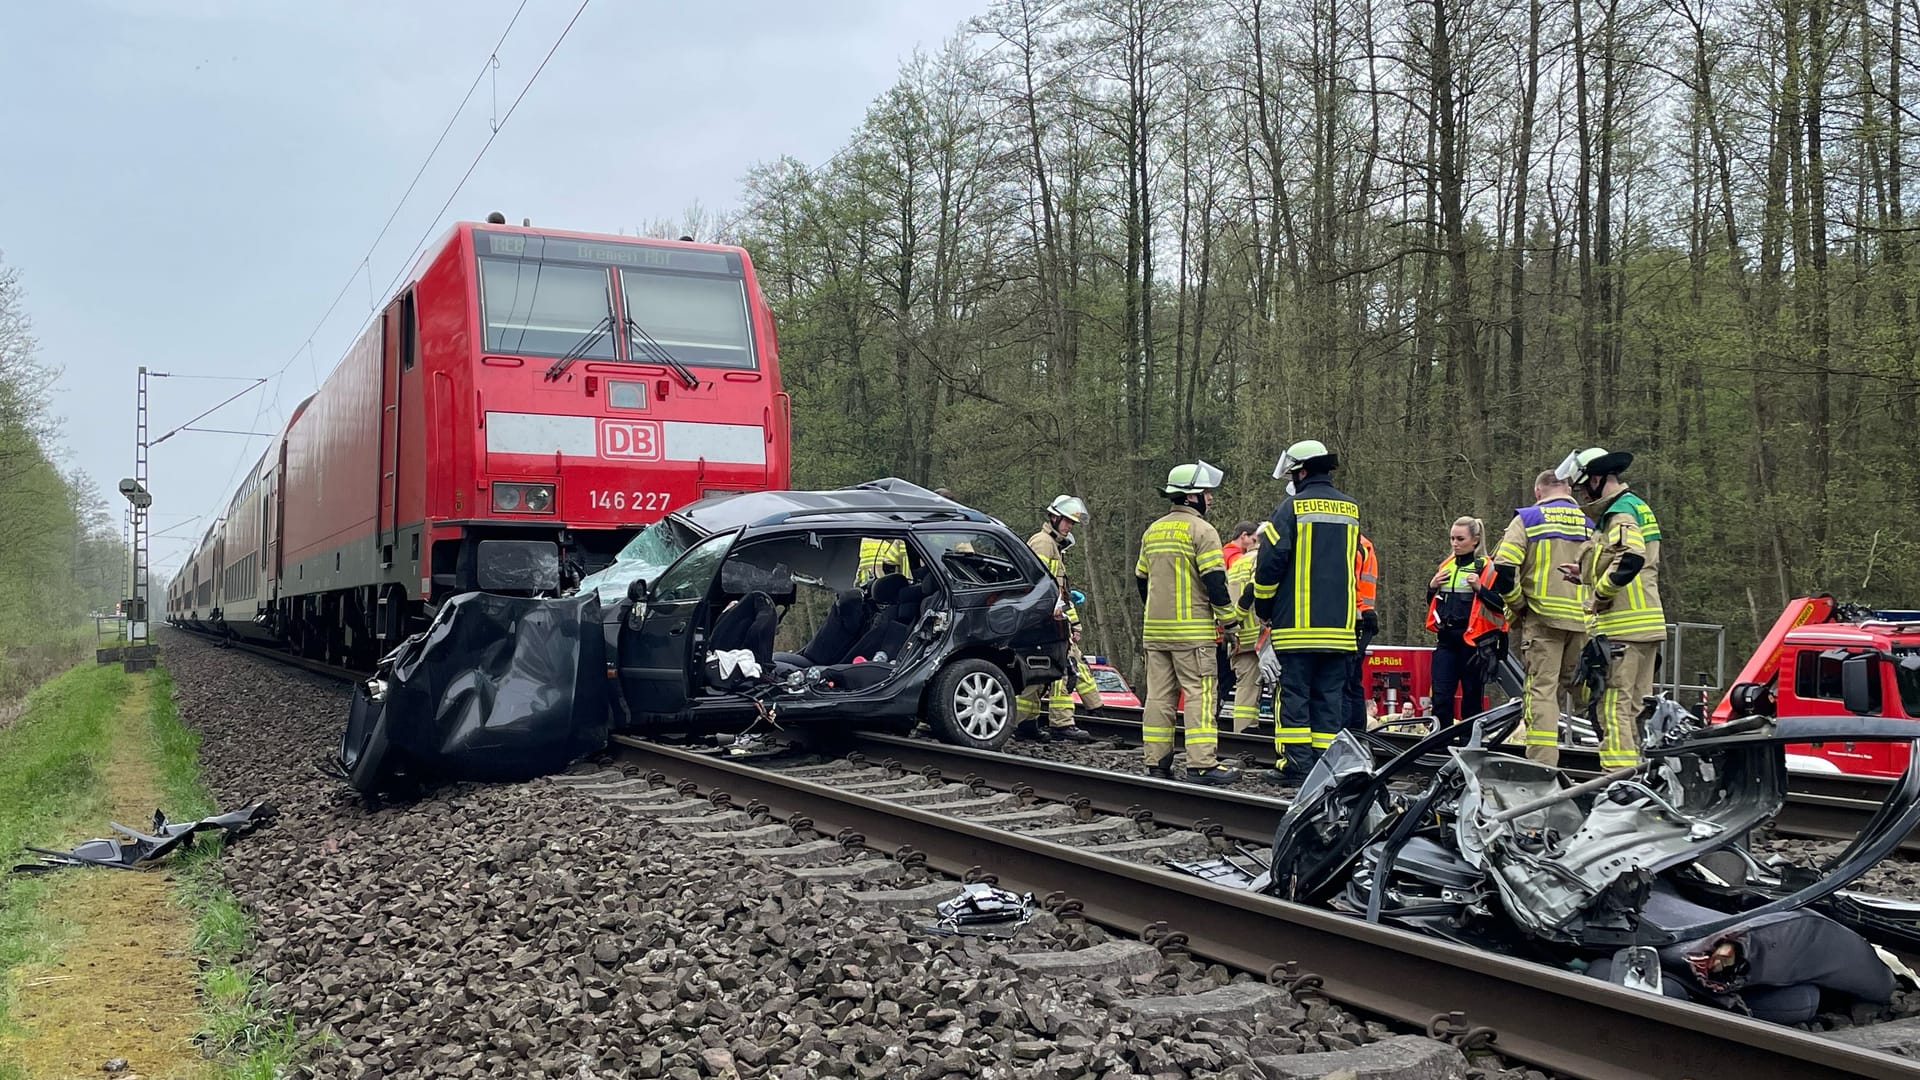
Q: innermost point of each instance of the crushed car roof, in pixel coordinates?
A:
(873, 501)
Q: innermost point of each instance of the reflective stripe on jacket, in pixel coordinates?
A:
(1540, 538)
(1047, 547)
(1174, 552)
(1629, 612)
(1304, 581)
(1450, 604)
(1366, 575)
(1239, 584)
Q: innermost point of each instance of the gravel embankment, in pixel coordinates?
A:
(536, 930)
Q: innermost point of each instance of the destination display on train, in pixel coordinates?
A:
(601, 253)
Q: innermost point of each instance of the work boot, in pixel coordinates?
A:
(1072, 733)
(1032, 731)
(1281, 776)
(1162, 768)
(1213, 776)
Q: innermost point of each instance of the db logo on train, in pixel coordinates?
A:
(633, 440)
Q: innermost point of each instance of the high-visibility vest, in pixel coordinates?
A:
(1463, 579)
(1483, 620)
(1366, 575)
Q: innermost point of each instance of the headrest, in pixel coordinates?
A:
(886, 590)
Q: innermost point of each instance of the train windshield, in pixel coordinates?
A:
(543, 309)
(696, 319)
(549, 295)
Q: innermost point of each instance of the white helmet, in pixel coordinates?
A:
(1069, 507)
(1191, 479)
(1594, 461)
(1301, 453)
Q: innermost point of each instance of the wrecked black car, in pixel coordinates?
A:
(870, 606)
(1644, 876)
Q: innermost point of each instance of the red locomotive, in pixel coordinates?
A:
(527, 401)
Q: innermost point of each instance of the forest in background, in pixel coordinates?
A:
(1087, 240)
(61, 551)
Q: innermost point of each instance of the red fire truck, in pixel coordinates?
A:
(522, 406)
(1827, 659)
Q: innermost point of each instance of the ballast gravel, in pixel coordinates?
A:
(536, 930)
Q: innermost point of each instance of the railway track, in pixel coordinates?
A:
(1818, 807)
(1562, 1022)
(1566, 1023)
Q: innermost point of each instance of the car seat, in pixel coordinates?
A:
(746, 626)
(834, 641)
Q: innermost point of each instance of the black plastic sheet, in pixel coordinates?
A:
(498, 688)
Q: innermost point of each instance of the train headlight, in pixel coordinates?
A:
(523, 498)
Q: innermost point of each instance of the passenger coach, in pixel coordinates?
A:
(522, 406)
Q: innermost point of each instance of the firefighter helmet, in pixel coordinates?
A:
(1595, 461)
(1190, 479)
(1069, 507)
(1305, 452)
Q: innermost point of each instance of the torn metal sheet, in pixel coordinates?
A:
(497, 688)
(161, 838)
(1642, 876)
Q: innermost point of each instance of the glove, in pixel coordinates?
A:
(1269, 664)
(1488, 652)
(1369, 623)
(1227, 624)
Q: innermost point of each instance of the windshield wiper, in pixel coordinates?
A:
(643, 343)
(580, 348)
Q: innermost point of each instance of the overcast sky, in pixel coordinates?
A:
(187, 184)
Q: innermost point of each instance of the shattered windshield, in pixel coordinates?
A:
(645, 556)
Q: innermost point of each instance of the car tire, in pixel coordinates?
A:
(971, 703)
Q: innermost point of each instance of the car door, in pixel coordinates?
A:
(657, 641)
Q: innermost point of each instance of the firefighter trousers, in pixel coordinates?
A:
(1246, 691)
(1056, 697)
(1453, 669)
(1355, 716)
(1629, 682)
(1550, 656)
(1170, 671)
(1312, 704)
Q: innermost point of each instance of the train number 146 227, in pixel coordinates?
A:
(627, 500)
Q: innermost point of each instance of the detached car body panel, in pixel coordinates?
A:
(1644, 876)
(871, 605)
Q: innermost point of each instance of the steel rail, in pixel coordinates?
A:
(316, 667)
(1240, 815)
(1567, 1023)
(1818, 806)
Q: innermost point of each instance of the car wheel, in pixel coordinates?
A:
(971, 704)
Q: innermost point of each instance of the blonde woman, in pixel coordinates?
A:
(1450, 602)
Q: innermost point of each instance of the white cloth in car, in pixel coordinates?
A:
(736, 660)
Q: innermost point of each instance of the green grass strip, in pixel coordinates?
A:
(250, 1041)
(50, 792)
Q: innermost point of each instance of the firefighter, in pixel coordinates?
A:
(1622, 573)
(1051, 544)
(1551, 622)
(1244, 645)
(878, 558)
(1454, 607)
(1183, 580)
(1366, 587)
(1242, 541)
(1308, 547)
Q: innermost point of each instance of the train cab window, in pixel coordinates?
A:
(543, 308)
(699, 319)
(409, 332)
